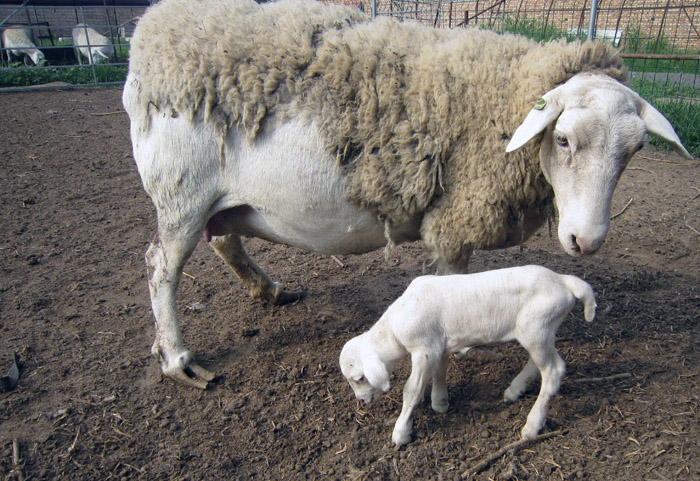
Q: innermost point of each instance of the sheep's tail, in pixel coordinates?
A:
(583, 292)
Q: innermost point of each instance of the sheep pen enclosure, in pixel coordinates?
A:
(91, 402)
(659, 39)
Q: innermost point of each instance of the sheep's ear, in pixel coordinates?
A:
(544, 113)
(376, 374)
(658, 125)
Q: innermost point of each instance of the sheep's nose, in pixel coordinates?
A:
(581, 247)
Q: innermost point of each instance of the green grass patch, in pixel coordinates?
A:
(634, 42)
(535, 29)
(679, 104)
(74, 75)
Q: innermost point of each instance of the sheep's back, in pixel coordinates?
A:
(228, 61)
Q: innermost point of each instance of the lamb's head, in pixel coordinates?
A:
(592, 126)
(365, 372)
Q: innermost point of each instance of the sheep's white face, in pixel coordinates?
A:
(37, 57)
(351, 366)
(592, 126)
(583, 155)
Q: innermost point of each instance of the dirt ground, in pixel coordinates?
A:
(92, 404)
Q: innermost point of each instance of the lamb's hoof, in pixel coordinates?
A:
(528, 432)
(441, 407)
(193, 375)
(400, 439)
(510, 396)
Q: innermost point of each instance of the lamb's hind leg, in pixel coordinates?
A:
(165, 260)
(438, 395)
(521, 382)
(552, 368)
(230, 249)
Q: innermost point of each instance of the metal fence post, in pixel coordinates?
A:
(87, 41)
(591, 21)
(374, 8)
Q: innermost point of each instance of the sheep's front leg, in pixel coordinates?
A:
(421, 371)
(165, 260)
(552, 368)
(230, 249)
(438, 395)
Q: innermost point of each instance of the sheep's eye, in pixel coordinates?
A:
(561, 140)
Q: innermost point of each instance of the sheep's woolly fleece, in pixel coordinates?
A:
(419, 117)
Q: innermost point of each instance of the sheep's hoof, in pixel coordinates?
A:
(193, 375)
(287, 297)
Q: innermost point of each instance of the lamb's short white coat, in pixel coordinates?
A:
(439, 315)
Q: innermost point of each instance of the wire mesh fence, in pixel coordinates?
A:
(98, 55)
(659, 39)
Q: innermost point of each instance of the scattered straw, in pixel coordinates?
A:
(614, 377)
(514, 446)
(623, 209)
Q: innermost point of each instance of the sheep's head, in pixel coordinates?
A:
(364, 371)
(592, 126)
(37, 57)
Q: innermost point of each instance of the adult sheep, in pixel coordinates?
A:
(18, 41)
(91, 44)
(312, 126)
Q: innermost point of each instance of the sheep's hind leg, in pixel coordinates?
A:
(230, 249)
(165, 260)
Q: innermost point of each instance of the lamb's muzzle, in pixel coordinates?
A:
(437, 316)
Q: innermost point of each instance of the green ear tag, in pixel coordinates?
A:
(540, 104)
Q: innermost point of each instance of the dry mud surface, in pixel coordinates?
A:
(91, 402)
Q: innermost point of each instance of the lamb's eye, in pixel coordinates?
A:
(561, 141)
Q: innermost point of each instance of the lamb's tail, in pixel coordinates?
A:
(583, 292)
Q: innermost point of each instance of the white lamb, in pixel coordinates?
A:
(91, 44)
(439, 315)
(18, 42)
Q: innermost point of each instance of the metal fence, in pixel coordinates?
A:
(660, 40)
(50, 29)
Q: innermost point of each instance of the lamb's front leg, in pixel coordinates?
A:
(422, 368)
(165, 260)
(438, 395)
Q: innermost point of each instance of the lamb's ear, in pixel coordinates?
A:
(658, 125)
(546, 111)
(376, 373)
